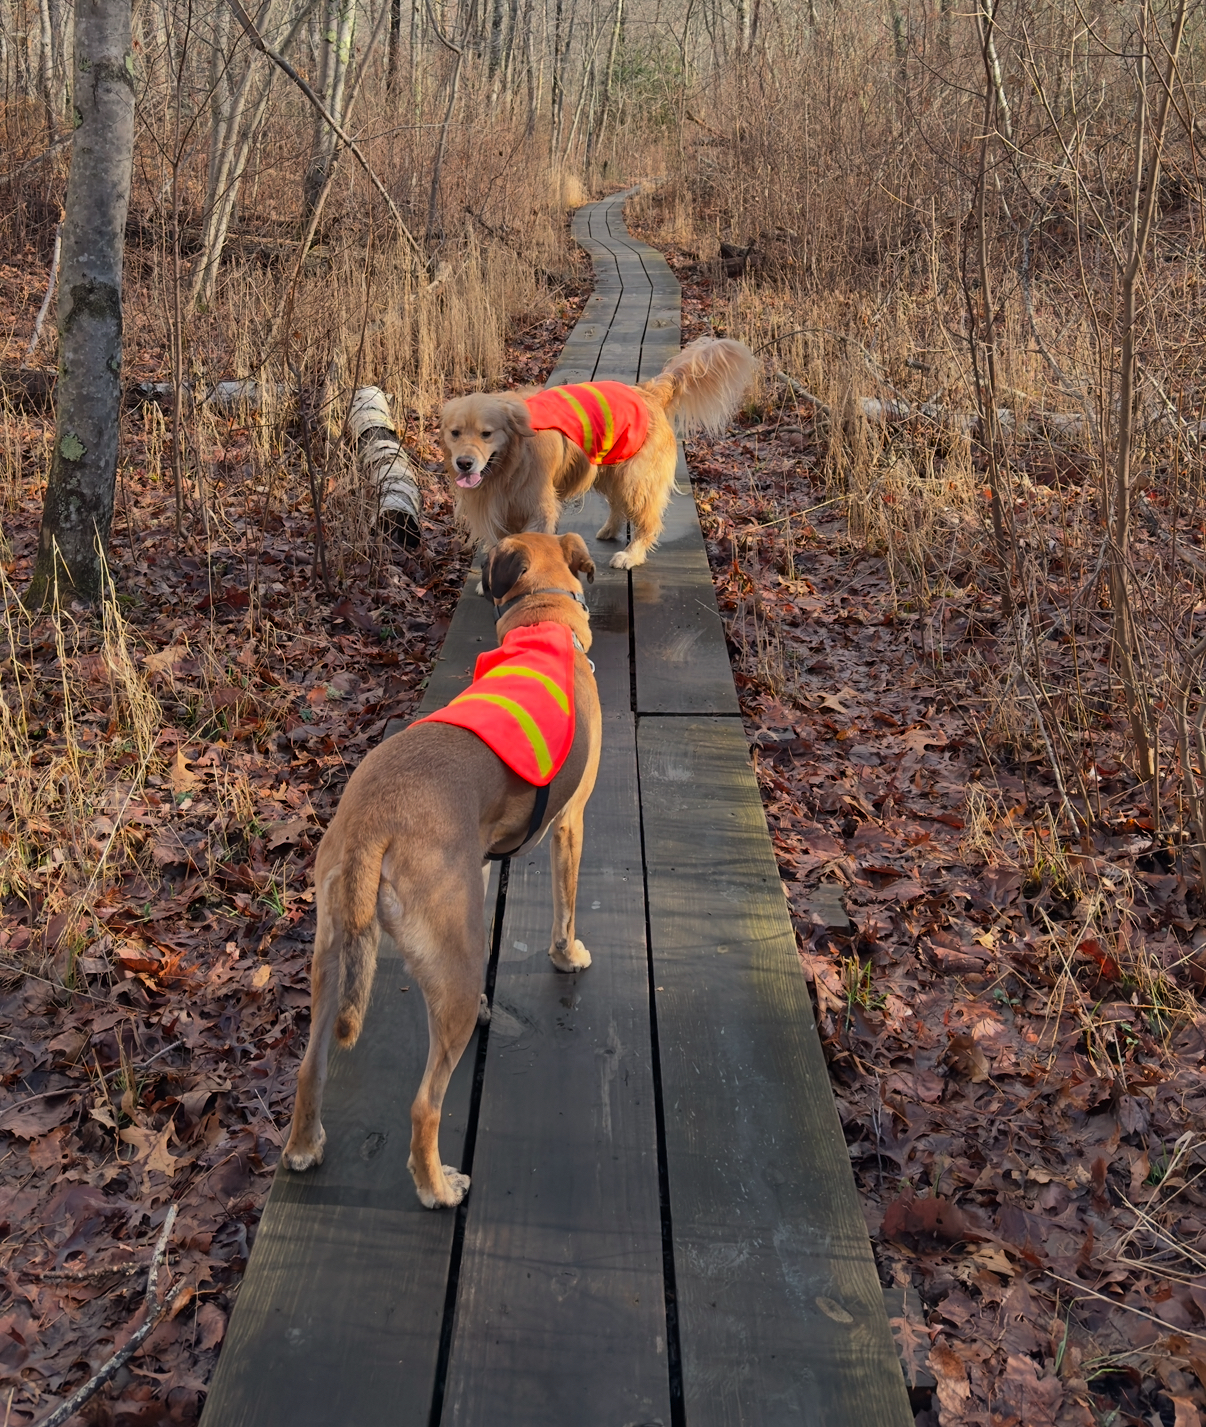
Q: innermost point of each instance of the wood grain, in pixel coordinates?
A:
(781, 1314)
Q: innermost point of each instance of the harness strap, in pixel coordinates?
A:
(539, 808)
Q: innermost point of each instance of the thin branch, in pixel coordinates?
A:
(156, 1308)
(51, 283)
(285, 67)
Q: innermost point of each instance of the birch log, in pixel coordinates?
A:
(386, 466)
(78, 509)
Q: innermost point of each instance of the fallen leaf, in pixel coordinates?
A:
(1187, 1412)
(152, 1147)
(37, 1119)
(211, 1326)
(49, 1152)
(932, 1215)
(954, 1391)
(259, 977)
(183, 778)
(160, 661)
(997, 1260)
(917, 740)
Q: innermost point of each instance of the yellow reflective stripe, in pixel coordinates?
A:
(588, 430)
(540, 749)
(550, 684)
(609, 421)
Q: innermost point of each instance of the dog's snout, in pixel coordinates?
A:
(464, 463)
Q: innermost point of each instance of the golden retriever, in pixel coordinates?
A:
(509, 477)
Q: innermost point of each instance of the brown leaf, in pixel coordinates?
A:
(49, 1152)
(1023, 1397)
(954, 1391)
(345, 609)
(152, 1147)
(933, 1215)
(38, 1118)
(1187, 1412)
(162, 660)
(181, 775)
(288, 833)
(965, 1057)
(211, 1326)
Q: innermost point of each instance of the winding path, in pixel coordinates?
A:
(663, 1226)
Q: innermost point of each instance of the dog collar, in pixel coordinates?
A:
(528, 594)
(573, 594)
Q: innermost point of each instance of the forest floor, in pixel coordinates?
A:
(148, 1056)
(1011, 1025)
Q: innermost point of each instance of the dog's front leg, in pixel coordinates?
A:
(567, 953)
(306, 1135)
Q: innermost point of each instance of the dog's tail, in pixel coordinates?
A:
(702, 386)
(359, 883)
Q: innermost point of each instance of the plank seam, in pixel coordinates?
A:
(451, 1292)
(674, 1356)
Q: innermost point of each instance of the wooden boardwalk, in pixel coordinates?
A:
(662, 1227)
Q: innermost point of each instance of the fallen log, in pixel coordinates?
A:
(386, 466)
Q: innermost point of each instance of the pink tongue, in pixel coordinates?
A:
(474, 478)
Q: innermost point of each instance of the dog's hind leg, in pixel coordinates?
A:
(566, 951)
(444, 954)
(306, 1135)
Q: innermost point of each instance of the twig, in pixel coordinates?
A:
(156, 1308)
(51, 284)
(76, 1090)
(285, 67)
(1116, 1303)
(37, 158)
(87, 1275)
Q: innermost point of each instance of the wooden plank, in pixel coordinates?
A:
(562, 1260)
(682, 660)
(561, 1314)
(338, 1318)
(780, 1310)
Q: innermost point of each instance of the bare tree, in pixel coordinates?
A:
(79, 496)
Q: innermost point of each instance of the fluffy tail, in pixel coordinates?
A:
(702, 386)
(359, 883)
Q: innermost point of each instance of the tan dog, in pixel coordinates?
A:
(508, 477)
(407, 852)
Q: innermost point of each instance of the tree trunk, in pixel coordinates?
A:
(335, 49)
(79, 495)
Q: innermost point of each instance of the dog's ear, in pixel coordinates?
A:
(502, 569)
(519, 419)
(577, 557)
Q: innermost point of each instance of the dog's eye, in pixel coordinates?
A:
(454, 434)
(486, 435)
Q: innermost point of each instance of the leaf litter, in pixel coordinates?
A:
(171, 773)
(1010, 1014)
(1024, 1113)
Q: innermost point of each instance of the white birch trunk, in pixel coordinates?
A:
(78, 510)
(386, 467)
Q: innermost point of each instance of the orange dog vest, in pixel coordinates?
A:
(608, 420)
(521, 701)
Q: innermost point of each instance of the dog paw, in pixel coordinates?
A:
(608, 532)
(483, 1011)
(627, 559)
(449, 1195)
(569, 956)
(300, 1158)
